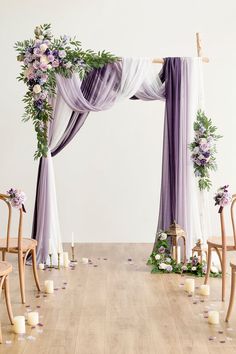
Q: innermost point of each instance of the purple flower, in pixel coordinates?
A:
(62, 53)
(161, 249)
(43, 95)
(169, 268)
(204, 269)
(195, 261)
(36, 64)
(39, 104)
(43, 66)
(55, 63)
(16, 198)
(51, 57)
(37, 52)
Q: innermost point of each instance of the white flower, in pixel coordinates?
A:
(43, 47)
(168, 259)
(196, 150)
(194, 268)
(44, 59)
(162, 266)
(49, 66)
(68, 65)
(41, 37)
(203, 141)
(201, 157)
(37, 88)
(157, 256)
(163, 236)
(214, 270)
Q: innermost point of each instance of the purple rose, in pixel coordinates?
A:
(194, 261)
(55, 63)
(43, 66)
(169, 268)
(37, 52)
(51, 57)
(161, 249)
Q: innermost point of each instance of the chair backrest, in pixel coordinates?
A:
(232, 217)
(4, 198)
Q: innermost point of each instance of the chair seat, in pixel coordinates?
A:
(217, 242)
(5, 268)
(27, 243)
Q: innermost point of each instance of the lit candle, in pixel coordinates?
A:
(49, 288)
(41, 266)
(72, 239)
(66, 261)
(33, 318)
(213, 317)
(19, 324)
(84, 260)
(189, 285)
(205, 290)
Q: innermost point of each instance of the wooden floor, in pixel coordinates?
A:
(116, 306)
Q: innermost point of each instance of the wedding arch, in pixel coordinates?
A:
(64, 85)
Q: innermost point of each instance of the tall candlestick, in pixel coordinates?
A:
(59, 261)
(19, 324)
(50, 257)
(72, 239)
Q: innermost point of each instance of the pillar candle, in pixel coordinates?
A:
(189, 285)
(49, 288)
(66, 259)
(72, 239)
(33, 318)
(213, 317)
(205, 290)
(41, 266)
(177, 254)
(19, 324)
(84, 260)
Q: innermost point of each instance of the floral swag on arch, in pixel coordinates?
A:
(65, 83)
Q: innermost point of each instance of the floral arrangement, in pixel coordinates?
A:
(162, 262)
(203, 149)
(43, 57)
(223, 197)
(17, 198)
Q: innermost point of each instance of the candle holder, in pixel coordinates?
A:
(73, 260)
(50, 260)
(58, 261)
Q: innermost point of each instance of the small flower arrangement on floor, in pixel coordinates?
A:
(16, 198)
(223, 197)
(162, 261)
(203, 149)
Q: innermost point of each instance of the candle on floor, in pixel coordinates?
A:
(84, 260)
(66, 261)
(41, 266)
(213, 317)
(189, 285)
(33, 318)
(72, 239)
(49, 287)
(19, 324)
(205, 290)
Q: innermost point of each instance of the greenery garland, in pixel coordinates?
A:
(162, 261)
(203, 149)
(43, 57)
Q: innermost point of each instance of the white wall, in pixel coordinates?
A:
(108, 178)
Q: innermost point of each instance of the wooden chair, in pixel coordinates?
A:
(222, 245)
(5, 270)
(20, 246)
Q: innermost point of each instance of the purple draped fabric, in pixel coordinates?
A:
(98, 92)
(171, 74)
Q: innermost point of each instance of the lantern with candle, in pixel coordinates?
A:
(176, 233)
(199, 250)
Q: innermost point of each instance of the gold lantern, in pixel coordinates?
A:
(177, 233)
(199, 249)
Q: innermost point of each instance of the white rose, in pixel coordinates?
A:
(168, 260)
(162, 266)
(163, 236)
(203, 141)
(37, 88)
(157, 256)
(44, 59)
(196, 150)
(214, 269)
(194, 268)
(43, 47)
(49, 66)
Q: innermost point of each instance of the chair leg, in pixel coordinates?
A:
(3, 255)
(232, 294)
(223, 275)
(208, 265)
(21, 276)
(8, 301)
(34, 264)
